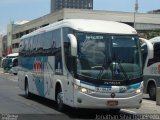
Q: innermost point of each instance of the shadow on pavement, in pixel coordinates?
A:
(72, 113)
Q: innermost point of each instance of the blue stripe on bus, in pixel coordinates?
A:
(28, 63)
(40, 86)
(134, 86)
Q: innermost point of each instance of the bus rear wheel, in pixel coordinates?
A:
(27, 93)
(152, 91)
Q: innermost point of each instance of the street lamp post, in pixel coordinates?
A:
(135, 11)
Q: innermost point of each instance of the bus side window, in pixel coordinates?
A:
(156, 57)
(39, 46)
(57, 51)
(34, 46)
(47, 42)
(15, 62)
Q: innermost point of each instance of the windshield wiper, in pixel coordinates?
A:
(123, 71)
(117, 60)
(105, 66)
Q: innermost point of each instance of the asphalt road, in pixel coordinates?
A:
(14, 105)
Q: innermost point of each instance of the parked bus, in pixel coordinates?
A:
(83, 64)
(152, 69)
(14, 68)
(10, 61)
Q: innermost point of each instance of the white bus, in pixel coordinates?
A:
(152, 68)
(10, 62)
(83, 64)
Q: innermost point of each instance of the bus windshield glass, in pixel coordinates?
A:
(108, 56)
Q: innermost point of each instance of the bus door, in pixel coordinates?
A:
(69, 88)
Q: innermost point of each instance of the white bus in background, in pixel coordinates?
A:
(83, 64)
(152, 68)
(13, 55)
(10, 63)
(14, 65)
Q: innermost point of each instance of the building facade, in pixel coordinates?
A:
(1, 45)
(76, 4)
(144, 22)
(155, 11)
(13, 43)
(4, 46)
(10, 28)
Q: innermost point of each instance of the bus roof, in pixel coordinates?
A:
(155, 39)
(84, 25)
(13, 55)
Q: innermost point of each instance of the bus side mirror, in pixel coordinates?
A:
(73, 41)
(149, 46)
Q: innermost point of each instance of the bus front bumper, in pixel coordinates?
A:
(82, 100)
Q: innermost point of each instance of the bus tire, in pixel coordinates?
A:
(27, 93)
(152, 91)
(59, 100)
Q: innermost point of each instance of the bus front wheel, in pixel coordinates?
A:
(59, 101)
(152, 91)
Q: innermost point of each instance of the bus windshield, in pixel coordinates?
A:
(107, 56)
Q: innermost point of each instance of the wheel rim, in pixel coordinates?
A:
(152, 92)
(26, 91)
(60, 100)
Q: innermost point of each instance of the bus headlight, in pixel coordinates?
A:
(138, 91)
(82, 89)
(86, 91)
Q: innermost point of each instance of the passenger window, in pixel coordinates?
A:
(47, 41)
(156, 55)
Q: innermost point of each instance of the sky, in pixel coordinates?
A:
(18, 10)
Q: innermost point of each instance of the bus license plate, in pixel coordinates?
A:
(112, 103)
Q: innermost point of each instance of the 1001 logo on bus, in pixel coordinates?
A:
(37, 68)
